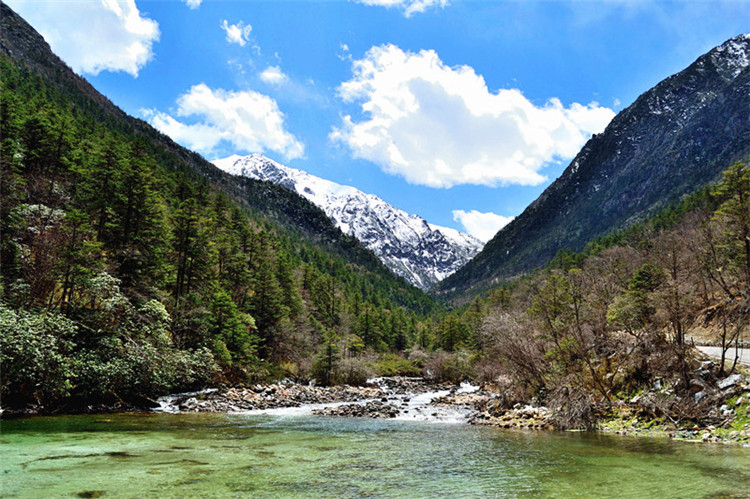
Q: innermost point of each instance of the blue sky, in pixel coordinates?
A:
(460, 111)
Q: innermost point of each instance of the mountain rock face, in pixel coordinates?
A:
(674, 139)
(421, 252)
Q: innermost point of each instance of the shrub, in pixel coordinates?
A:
(393, 365)
(34, 358)
(451, 367)
(354, 371)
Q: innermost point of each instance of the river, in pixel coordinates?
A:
(300, 455)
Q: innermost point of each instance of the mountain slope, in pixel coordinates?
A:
(422, 253)
(299, 222)
(673, 139)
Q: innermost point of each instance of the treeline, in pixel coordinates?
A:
(594, 329)
(122, 276)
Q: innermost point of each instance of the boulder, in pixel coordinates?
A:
(730, 381)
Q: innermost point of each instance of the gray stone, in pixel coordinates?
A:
(707, 365)
(732, 380)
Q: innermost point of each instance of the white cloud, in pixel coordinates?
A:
(409, 7)
(441, 126)
(273, 75)
(109, 35)
(237, 33)
(193, 4)
(483, 226)
(248, 120)
(344, 55)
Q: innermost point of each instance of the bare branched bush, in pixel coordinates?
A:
(572, 408)
(510, 342)
(453, 367)
(356, 371)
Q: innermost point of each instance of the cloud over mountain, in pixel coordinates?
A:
(441, 126)
(247, 120)
(483, 226)
(91, 37)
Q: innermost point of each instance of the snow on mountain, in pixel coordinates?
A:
(732, 56)
(421, 252)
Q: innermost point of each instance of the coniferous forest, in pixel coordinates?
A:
(124, 276)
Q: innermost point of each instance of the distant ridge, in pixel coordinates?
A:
(672, 140)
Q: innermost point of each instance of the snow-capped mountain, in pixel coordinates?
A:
(421, 252)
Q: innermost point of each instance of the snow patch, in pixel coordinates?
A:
(733, 56)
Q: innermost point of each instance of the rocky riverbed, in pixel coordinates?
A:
(388, 397)
(727, 400)
(263, 397)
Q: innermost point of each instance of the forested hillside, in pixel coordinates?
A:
(132, 267)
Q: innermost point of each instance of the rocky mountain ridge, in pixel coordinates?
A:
(674, 139)
(423, 253)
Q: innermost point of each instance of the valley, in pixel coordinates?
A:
(242, 327)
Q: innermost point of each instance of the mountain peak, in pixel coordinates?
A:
(732, 56)
(422, 253)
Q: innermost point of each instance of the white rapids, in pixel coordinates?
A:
(411, 406)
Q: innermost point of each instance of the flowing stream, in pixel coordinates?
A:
(291, 453)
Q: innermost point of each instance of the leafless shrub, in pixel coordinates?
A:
(572, 408)
(452, 367)
(488, 370)
(355, 371)
(518, 347)
(418, 356)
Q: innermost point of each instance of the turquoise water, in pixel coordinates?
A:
(220, 455)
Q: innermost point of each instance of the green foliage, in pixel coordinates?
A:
(395, 365)
(231, 329)
(326, 365)
(43, 361)
(118, 370)
(635, 307)
(34, 356)
(452, 334)
(734, 212)
(646, 279)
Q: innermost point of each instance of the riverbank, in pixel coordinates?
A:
(726, 405)
(724, 402)
(717, 409)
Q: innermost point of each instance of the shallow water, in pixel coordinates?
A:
(236, 455)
